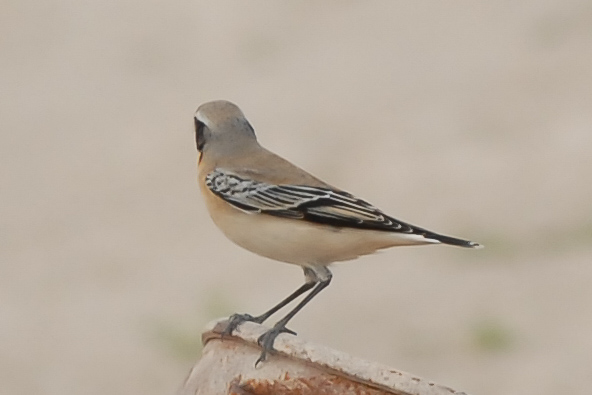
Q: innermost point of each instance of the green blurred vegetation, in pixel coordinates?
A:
(491, 335)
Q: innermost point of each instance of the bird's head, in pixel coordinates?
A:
(222, 125)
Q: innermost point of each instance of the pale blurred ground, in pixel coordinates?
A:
(473, 119)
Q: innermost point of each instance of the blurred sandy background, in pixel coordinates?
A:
(472, 119)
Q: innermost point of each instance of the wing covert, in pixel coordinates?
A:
(314, 204)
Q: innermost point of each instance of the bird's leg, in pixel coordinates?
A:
(236, 319)
(266, 340)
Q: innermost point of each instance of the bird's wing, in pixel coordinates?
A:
(309, 203)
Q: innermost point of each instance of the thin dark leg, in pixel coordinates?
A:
(236, 319)
(267, 339)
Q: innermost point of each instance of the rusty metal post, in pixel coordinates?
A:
(227, 366)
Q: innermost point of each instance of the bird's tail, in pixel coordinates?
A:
(452, 240)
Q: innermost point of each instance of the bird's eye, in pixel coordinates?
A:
(199, 134)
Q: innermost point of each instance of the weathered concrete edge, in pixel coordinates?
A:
(340, 363)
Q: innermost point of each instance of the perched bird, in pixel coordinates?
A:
(273, 208)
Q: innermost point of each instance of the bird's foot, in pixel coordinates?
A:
(235, 320)
(267, 339)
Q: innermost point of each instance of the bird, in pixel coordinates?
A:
(269, 206)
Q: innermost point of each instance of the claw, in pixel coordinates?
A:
(260, 359)
(290, 331)
(234, 321)
(267, 339)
